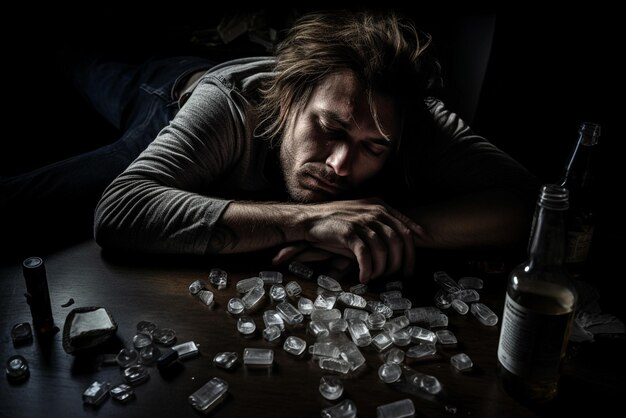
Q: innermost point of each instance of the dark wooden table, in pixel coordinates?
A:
(156, 290)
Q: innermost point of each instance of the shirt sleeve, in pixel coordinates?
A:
(162, 202)
(455, 161)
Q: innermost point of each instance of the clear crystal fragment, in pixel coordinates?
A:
(142, 340)
(271, 333)
(246, 285)
(351, 353)
(400, 337)
(375, 321)
(471, 283)
(253, 297)
(96, 393)
(208, 396)
(350, 313)
(460, 306)
(389, 372)
(396, 285)
(445, 282)
(305, 306)
(440, 320)
(358, 289)
(165, 336)
(206, 297)
(136, 374)
(271, 277)
(196, 286)
(466, 295)
(17, 368)
(338, 325)
(278, 293)
(345, 409)
(325, 315)
(186, 350)
(226, 359)
(334, 365)
(325, 302)
(289, 313)
(328, 283)
(391, 294)
(461, 361)
(294, 345)
(331, 387)
(429, 384)
(127, 357)
(443, 299)
(359, 333)
(218, 278)
(398, 409)
(421, 351)
(395, 355)
(381, 342)
(245, 325)
(146, 327)
(352, 300)
(446, 337)
(484, 314)
(149, 355)
(235, 306)
(271, 317)
(398, 304)
(318, 329)
(258, 356)
(21, 333)
(300, 270)
(378, 307)
(293, 289)
(396, 323)
(326, 349)
(419, 334)
(422, 314)
(122, 393)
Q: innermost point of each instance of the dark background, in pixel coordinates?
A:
(525, 79)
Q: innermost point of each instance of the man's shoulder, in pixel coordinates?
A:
(243, 73)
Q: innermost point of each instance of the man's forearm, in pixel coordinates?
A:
(249, 226)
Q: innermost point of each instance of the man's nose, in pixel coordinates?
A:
(340, 159)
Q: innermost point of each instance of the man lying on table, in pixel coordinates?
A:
(331, 148)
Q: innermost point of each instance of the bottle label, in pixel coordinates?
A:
(531, 343)
(578, 243)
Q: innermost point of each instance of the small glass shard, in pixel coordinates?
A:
(96, 393)
(445, 282)
(359, 333)
(305, 306)
(331, 387)
(218, 278)
(375, 321)
(135, 374)
(352, 300)
(484, 314)
(208, 396)
(226, 360)
(398, 304)
(271, 277)
(328, 283)
(289, 313)
(293, 289)
(351, 353)
(325, 315)
(271, 317)
(146, 327)
(294, 345)
(300, 270)
(381, 342)
(327, 349)
(334, 365)
(471, 283)
(142, 340)
(258, 356)
(358, 289)
(446, 337)
(246, 325)
(246, 285)
(122, 393)
(196, 286)
(21, 333)
(389, 372)
(421, 351)
(325, 302)
(17, 368)
(206, 297)
(253, 297)
(167, 358)
(278, 293)
(235, 306)
(318, 329)
(271, 333)
(461, 362)
(338, 325)
(460, 306)
(165, 336)
(398, 409)
(149, 355)
(390, 294)
(127, 357)
(345, 409)
(397, 285)
(186, 350)
(395, 355)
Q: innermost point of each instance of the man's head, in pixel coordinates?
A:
(337, 104)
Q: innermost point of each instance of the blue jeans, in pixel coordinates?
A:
(139, 101)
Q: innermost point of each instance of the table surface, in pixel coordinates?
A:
(136, 289)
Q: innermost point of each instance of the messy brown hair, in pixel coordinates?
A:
(384, 50)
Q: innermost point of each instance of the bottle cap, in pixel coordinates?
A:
(34, 268)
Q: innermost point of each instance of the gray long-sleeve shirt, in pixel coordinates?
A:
(170, 198)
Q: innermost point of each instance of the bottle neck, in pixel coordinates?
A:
(547, 247)
(578, 168)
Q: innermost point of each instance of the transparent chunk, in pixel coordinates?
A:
(350, 314)
(208, 396)
(246, 285)
(335, 365)
(345, 409)
(226, 359)
(186, 350)
(258, 356)
(351, 353)
(96, 393)
(338, 325)
(461, 362)
(245, 325)
(398, 409)
(381, 342)
(445, 282)
(305, 306)
(325, 302)
(398, 304)
(396, 285)
(122, 393)
(421, 351)
(293, 289)
(272, 317)
(419, 335)
(400, 337)
(146, 327)
(17, 368)
(379, 307)
(429, 384)
(485, 315)
(218, 278)
(359, 333)
(466, 295)
(206, 297)
(127, 357)
(331, 387)
(278, 293)
(358, 289)
(142, 340)
(149, 355)
(389, 372)
(271, 333)
(325, 315)
(253, 297)
(396, 323)
(165, 336)
(352, 300)
(375, 321)
(446, 337)
(422, 314)
(471, 283)
(289, 313)
(326, 349)
(395, 355)
(235, 306)
(294, 345)
(318, 329)
(440, 320)
(443, 299)
(271, 277)
(300, 270)
(460, 306)
(196, 286)
(136, 374)
(328, 283)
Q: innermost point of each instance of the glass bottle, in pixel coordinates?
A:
(37, 294)
(578, 179)
(539, 307)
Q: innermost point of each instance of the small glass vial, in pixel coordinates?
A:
(37, 295)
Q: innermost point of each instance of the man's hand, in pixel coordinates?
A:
(379, 237)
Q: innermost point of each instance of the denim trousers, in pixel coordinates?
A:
(139, 100)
